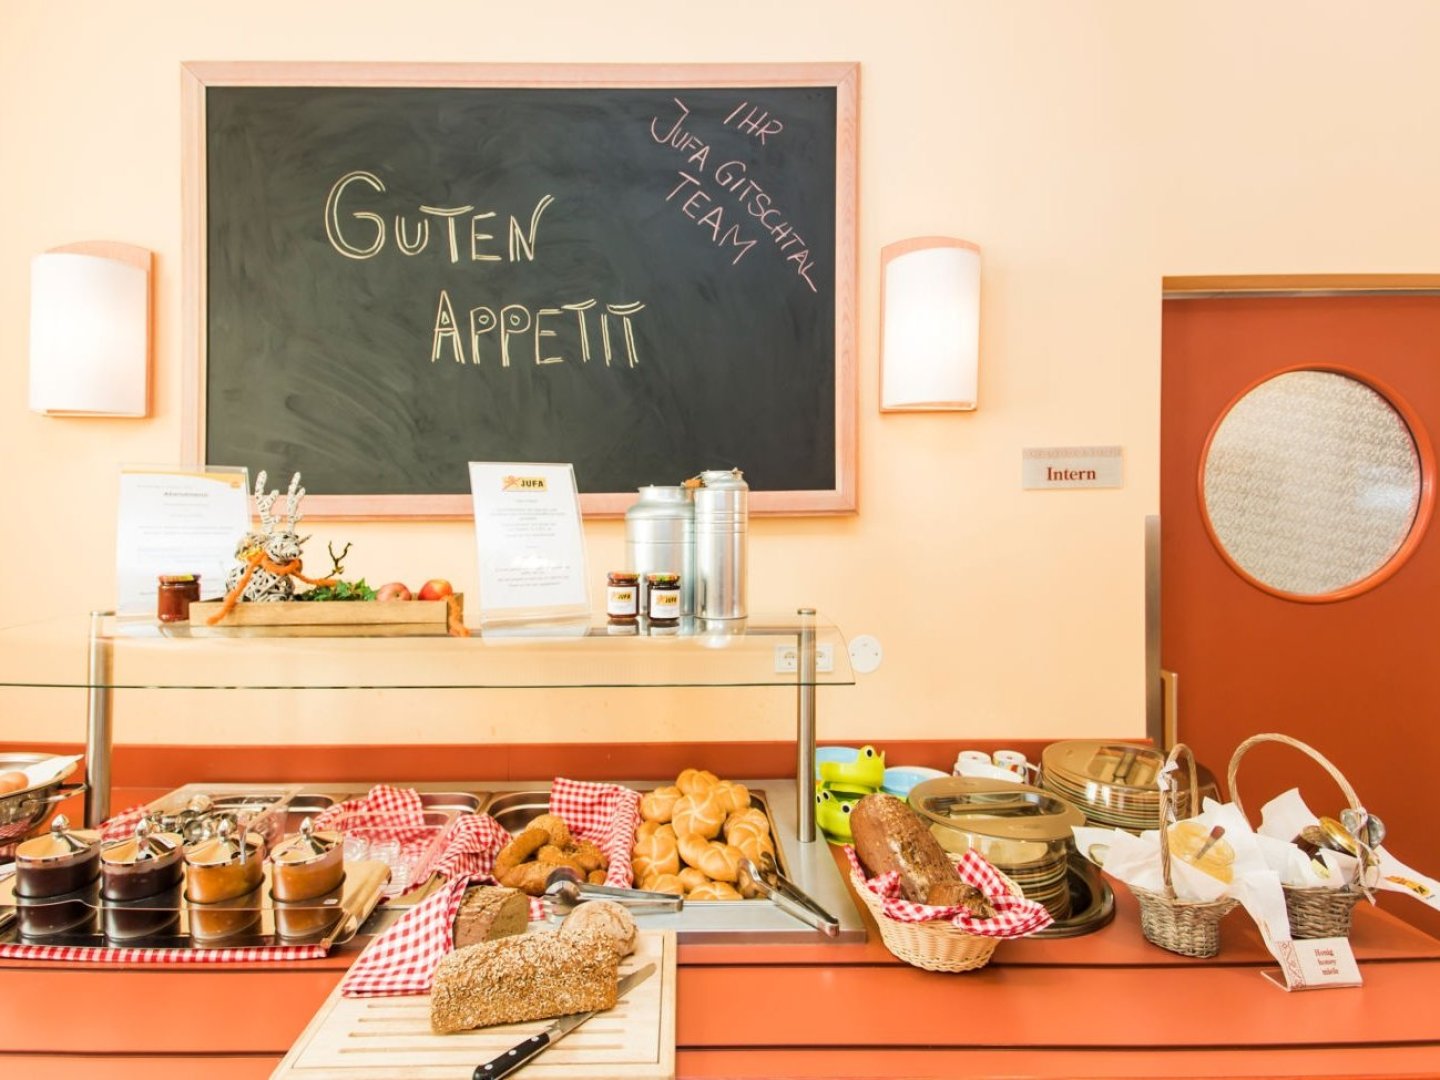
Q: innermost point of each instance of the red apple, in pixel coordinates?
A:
(435, 589)
(396, 590)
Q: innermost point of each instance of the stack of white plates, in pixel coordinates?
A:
(1114, 784)
(1023, 831)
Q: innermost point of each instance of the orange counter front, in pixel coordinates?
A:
(1108, 1004)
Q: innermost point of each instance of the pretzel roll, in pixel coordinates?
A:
(734, 797)
(696, 781)
(668, 883)
(656, 853)
(720, 862)
(752, 814)
(702, 814)
(659, 804)
(692, 879)
(714, 890)
(555, 827)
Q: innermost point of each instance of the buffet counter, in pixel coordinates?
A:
(1107, 1004)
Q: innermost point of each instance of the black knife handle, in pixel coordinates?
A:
(512, 1059)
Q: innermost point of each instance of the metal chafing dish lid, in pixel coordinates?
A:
(995, 808)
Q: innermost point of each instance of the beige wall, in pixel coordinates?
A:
(1089, 147)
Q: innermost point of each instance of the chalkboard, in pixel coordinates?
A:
(643, 271)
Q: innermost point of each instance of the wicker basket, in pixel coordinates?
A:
(934, 946)
(1187, 927)
(1315, 911)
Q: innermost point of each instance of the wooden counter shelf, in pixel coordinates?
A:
(1108, 1004)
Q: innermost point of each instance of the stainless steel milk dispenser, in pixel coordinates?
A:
(722, 523)
(660, 538)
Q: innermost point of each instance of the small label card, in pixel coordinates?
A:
(177, 521)
(530, 542)
(1313, 963)
(1042, 468)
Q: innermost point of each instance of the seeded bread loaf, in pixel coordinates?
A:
(531, 977)
(890, 836)
(488, 912)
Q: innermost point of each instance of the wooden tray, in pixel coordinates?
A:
(339, 618)
(380, 1038)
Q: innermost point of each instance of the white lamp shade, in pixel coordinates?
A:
(90, 333)
(930, 325)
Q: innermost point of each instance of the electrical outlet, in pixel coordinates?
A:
(787, 659)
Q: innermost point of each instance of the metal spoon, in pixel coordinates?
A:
(566, 886)
(807, 911)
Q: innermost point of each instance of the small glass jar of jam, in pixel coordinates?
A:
(664, 592)
(176, 593)
(622, 597)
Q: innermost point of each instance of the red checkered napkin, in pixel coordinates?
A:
(95, 955)
(122, 825)
(605, 814)
(1014, 915)
(403, 959)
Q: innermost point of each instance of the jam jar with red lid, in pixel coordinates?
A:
(174, 596)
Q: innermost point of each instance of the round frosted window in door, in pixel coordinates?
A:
(1311, 483)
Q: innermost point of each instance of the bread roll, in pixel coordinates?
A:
(531, 977)
(714, 890)
(719, 862)
(703, 814)
(733, 797)
(696, 781)
(657, 805)
(656, 853)
(692, 879)
(890, 836)
(606, 918)
(666, 883)
(488, 912)
(751, 817)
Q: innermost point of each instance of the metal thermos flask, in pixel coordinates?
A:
(660, 538)
(722, 522)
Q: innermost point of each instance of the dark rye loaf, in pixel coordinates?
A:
(890, 836)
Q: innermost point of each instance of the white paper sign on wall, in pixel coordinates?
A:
(1044, 468)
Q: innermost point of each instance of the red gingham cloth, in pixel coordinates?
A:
(403, 959)
(95, 955)
(1014, 915)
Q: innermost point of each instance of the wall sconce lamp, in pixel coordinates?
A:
(90, 330)
(929, 325)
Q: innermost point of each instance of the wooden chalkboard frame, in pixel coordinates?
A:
(198, 77)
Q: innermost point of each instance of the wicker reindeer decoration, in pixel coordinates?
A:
(267, 561)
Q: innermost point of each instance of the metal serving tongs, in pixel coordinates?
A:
(785, 895)
(565, 889)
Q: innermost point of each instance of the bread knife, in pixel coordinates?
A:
(556, 1030)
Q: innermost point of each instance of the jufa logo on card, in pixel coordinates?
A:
(523, 483)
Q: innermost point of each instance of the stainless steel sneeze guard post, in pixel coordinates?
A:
(99, 700)
(805, 733)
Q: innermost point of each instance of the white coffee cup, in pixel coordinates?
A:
(1011, 761)
(969, 760)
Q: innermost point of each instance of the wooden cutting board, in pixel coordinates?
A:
(380, 1038)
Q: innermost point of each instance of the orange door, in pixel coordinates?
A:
(1300, 568)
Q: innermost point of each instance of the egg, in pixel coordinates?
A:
(13, 781)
